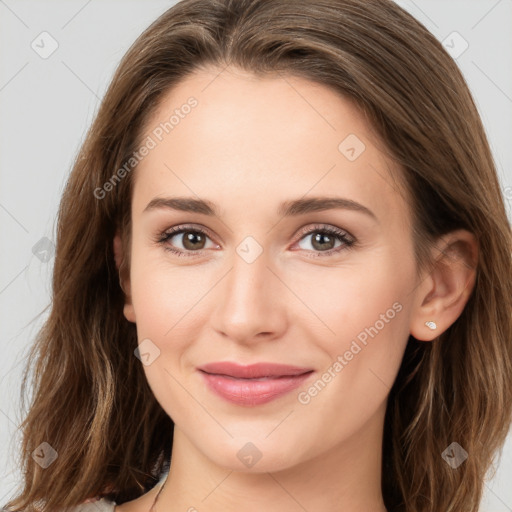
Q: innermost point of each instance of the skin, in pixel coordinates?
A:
(250, 144)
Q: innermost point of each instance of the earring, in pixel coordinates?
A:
(431, 325)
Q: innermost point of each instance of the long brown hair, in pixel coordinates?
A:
(91, 401)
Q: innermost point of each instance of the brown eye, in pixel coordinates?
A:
(326, 240)
(322, 241)
(193, 240)
(185, 241)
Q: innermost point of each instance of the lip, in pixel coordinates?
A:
(254, 384)
(253, 371)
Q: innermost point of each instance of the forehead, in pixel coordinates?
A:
(220, 132)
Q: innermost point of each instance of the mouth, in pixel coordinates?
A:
(253, 371)
(255, 384)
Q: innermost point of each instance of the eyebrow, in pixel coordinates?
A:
(289, 208)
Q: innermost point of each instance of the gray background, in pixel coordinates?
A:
(48, 103)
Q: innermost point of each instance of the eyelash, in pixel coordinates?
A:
(341, 235)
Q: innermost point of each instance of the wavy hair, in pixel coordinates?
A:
(86, 381)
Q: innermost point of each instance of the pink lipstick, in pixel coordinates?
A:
(254, 384)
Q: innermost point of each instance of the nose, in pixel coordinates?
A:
(250, 302)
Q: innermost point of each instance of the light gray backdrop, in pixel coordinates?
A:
(57, 58)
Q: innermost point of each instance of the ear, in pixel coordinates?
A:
(445, 290)
(124, 280)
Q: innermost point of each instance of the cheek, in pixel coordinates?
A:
(351, 297)
(364, 311)
(163, 293)
(367, 311)
(167, 302)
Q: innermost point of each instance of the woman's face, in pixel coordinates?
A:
(262, 167)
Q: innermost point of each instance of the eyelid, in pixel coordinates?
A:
(308, 229)
(187, 227)
(305, 230)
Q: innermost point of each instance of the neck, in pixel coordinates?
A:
(347, 477)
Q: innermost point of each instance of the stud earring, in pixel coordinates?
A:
(431, 325)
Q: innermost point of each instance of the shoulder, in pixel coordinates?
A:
(101, 505)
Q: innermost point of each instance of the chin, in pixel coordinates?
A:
(253, 456)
